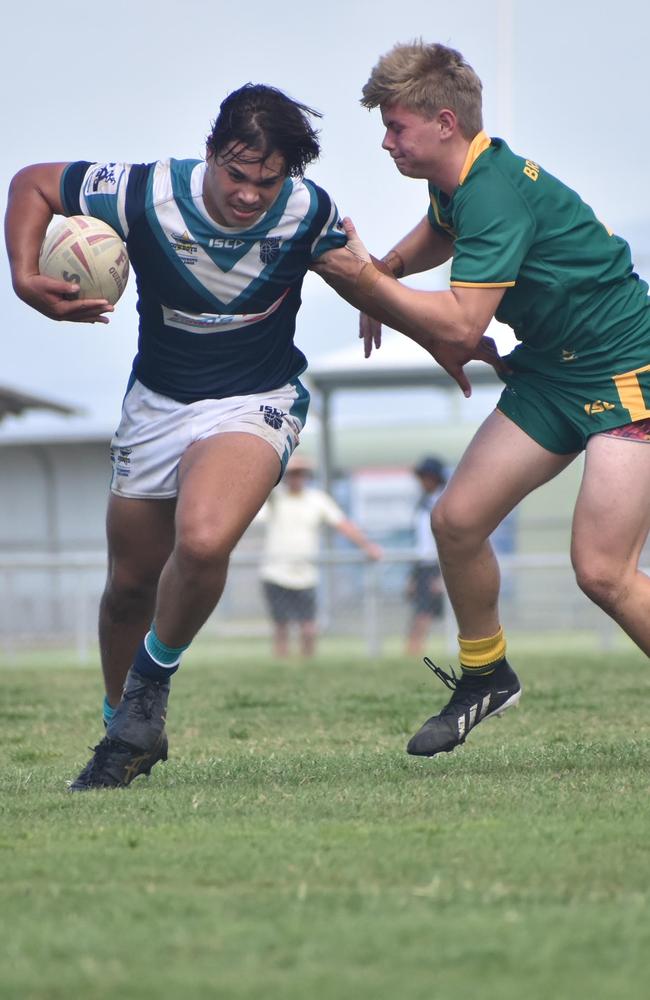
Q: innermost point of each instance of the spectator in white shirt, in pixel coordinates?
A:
(294, 514)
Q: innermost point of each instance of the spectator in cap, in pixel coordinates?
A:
(424, 587)
(294, 514)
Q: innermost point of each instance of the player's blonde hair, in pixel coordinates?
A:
(426, 78)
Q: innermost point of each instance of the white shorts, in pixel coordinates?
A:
(156, 431)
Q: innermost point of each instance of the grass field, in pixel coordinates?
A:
(290, 848)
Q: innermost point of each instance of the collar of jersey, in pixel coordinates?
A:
(478, 145)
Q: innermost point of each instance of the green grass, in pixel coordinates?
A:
(290, 849)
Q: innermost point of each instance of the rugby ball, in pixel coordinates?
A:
(90, 253)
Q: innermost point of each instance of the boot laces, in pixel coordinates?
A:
(465, 689)
(449, 680)
(101, 753)
(142, 700)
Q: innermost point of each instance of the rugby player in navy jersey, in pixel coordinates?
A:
(526, 248)
(214, 405)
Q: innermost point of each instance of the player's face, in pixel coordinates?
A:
(238, 191)
(412, 141)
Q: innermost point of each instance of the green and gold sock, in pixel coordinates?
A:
(482, 656)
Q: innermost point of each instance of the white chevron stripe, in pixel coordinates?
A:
(226, 285)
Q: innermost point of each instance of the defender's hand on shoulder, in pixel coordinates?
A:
(346, 262)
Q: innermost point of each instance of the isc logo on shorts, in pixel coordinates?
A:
(272, 416)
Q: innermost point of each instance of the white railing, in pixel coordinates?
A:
(49, 599)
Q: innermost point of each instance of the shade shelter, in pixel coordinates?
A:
(398, 364)
(14, 402)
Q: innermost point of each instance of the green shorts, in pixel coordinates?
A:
(562, 415)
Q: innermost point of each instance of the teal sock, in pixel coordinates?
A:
(166, 656)
(156, 660)
(107, 711)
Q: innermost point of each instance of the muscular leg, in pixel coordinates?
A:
(610, 526)
(140, 537)
(223, 482)
(500, 467)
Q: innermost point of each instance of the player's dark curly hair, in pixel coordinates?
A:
(264, 119)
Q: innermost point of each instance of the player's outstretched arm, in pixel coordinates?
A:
(34, 197)
(450, 325)
(422, 249)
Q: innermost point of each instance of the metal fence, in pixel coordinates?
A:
(49, 600)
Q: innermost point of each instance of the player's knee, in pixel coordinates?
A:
(602, 580)
(127, 593)
(451, 525)
(201, 548)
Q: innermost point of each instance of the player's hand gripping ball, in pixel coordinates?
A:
(89, 253)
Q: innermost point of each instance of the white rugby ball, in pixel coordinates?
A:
(89, 252)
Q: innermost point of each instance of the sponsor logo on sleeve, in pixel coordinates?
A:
(102, 180)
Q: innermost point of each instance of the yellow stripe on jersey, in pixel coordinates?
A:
(478, 145)
(482, 284)
(439, 221)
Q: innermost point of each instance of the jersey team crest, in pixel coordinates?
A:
(270, 248)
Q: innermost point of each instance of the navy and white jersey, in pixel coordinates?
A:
(217, 306)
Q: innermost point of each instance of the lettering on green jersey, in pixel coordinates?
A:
(531, 170)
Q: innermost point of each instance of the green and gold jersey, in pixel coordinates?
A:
(572, 297)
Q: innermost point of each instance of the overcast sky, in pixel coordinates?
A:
(565, 82)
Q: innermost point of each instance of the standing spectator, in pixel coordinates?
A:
(425, 589)
(294, 514)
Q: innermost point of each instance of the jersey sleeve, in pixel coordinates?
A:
(328, 233)
(97, 189)
(494, 230)
(436, 223)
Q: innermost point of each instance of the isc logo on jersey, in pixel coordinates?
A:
(225, 244)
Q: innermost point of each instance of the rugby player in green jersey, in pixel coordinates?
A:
(526, 249)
